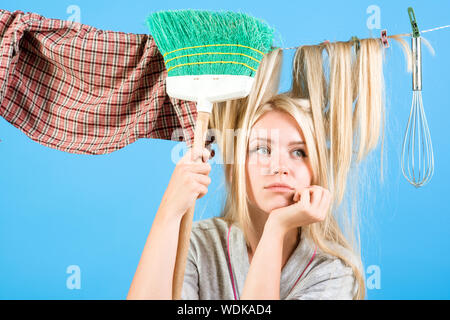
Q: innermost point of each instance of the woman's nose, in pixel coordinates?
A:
(280, 170)
(278, 165)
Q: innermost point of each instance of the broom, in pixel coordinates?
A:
(210, 57)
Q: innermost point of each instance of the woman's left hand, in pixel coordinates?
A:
(311, 205)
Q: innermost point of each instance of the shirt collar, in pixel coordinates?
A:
(293, 268)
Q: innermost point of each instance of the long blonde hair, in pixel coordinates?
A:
(336, 133)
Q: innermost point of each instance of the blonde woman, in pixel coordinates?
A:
(281, 201)
(286, 160)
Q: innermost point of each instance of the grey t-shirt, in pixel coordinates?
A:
(207, 275)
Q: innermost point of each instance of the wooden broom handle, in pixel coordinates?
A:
(184, 236)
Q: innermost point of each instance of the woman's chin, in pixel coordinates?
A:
(276, 205)
(272, 203)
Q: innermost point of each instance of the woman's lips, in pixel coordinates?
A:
(280, 189)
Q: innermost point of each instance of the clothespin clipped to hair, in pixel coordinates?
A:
(412, 18)
(356, 43)
(384, 38)
(326, 41)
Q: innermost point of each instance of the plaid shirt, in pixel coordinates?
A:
(78, 89)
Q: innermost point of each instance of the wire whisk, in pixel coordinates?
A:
(417, 151)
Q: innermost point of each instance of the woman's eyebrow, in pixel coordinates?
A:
(270, 141)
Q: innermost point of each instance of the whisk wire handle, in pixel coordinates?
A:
(417, 149)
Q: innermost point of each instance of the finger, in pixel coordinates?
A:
(200, 167)
(317, 194)
(202, 179)
(194, 155)
(305, 196)
(202, 190)
(188, 156)
(325, 201)
(296, 196)
(206, 154)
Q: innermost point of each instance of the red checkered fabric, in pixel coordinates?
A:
(82, 90)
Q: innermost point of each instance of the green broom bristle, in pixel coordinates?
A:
(205, 30)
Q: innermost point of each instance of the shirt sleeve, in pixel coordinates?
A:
(328, 280)
(190, 290)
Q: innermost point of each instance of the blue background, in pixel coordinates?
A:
(59, 209)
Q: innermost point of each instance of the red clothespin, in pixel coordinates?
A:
(384, 38)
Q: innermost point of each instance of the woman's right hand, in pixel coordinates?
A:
(188, 183)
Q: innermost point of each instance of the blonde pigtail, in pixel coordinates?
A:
(368, 116)
(309, 82)
(340, 114)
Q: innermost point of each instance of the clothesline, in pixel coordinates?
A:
(113, 109)
(399, 35)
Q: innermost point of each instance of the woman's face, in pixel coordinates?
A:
(277, 153)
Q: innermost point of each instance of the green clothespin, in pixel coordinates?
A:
(412, 18)
(356, 42)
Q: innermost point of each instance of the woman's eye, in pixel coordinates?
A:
(300, 152)
(264, 150)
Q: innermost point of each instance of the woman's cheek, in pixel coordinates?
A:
(251, 183)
